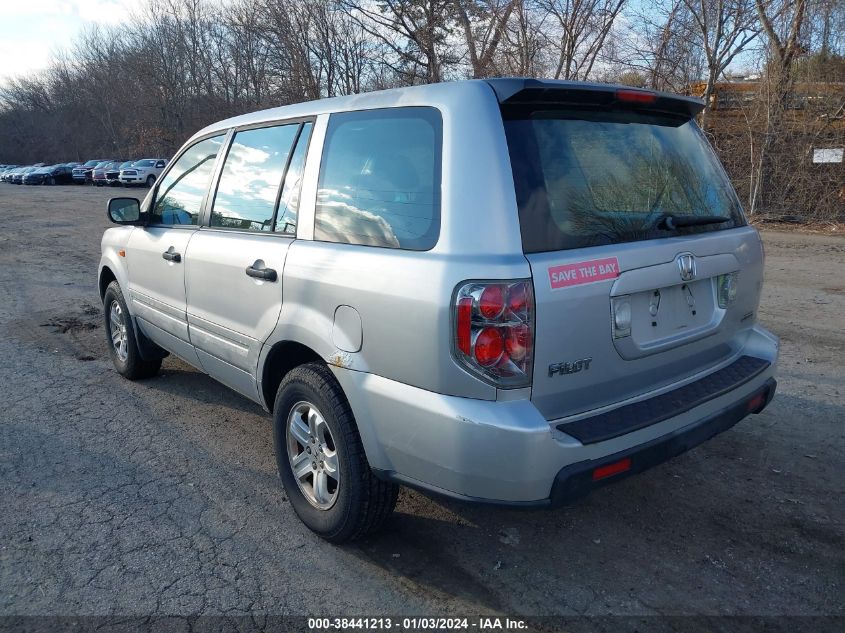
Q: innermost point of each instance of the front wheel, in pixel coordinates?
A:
(122, 339)
(321, 460)
(151, 180)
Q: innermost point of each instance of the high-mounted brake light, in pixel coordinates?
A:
(493, 331)
(635, 96)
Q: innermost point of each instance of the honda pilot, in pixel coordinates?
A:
(510, 291)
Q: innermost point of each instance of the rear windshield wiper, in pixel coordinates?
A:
(671, 222)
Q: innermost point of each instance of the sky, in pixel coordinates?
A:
(31, 30)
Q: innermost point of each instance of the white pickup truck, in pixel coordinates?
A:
(142, 172)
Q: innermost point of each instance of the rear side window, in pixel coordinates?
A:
(252, 174)
(380, 179)
(289, 200)
(181, 191)
(586, 179)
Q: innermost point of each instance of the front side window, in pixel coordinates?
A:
(252, 174)
(180, 194)
(380, 179)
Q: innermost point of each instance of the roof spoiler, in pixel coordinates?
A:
(530, 92)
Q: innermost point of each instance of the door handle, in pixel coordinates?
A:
(170, 256)
(267, 274)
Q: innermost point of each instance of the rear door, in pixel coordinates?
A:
(156, 253)
(644, 270)
(235, 262)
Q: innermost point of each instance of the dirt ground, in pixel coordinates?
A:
(161, 497)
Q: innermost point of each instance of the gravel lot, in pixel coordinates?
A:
(161, 497)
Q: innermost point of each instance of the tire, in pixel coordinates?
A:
(358, 503)
(49, 181)
(124, 353)
(151, 180)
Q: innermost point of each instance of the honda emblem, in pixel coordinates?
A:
(686, 264)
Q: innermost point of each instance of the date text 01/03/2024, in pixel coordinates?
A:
(416, 623)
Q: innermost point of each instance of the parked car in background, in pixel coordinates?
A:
(9, 175)
(98, 174)
(6, 172)
(59, 174)
(113, 172)
(143, 172)
(82, 174)
(36, 176)
(13, 173)
(19, 176)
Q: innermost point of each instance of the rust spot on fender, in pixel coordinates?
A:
(340, 359)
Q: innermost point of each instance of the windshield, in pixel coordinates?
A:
(585, 179)
(92, 163)
(126, 165)
(145, 163)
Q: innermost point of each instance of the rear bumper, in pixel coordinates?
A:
(577, 480)
(506, 452)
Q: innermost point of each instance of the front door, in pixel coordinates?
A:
(155, 257)
(156, 253)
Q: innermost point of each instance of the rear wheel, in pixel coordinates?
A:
(122, 339)
(321, 459)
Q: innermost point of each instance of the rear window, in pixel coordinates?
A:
(380, 179)
(587, 179)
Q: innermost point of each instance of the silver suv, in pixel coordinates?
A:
(508, 291)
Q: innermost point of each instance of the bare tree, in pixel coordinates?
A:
(782, 22)
(724, 28)
(484, 24)
(579, 32)
(413, 35)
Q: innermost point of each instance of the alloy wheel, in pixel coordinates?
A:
(312, 455)
(117, 328)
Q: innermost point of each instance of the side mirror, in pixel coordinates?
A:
(124, 211)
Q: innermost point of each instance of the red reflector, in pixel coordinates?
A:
(464, 325)
(756, 402)
(517, 341)
(608, 470)
(491, 302)
(518, 299)
(489, 346)
(636, 96)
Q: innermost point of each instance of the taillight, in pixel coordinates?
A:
(493, 330)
